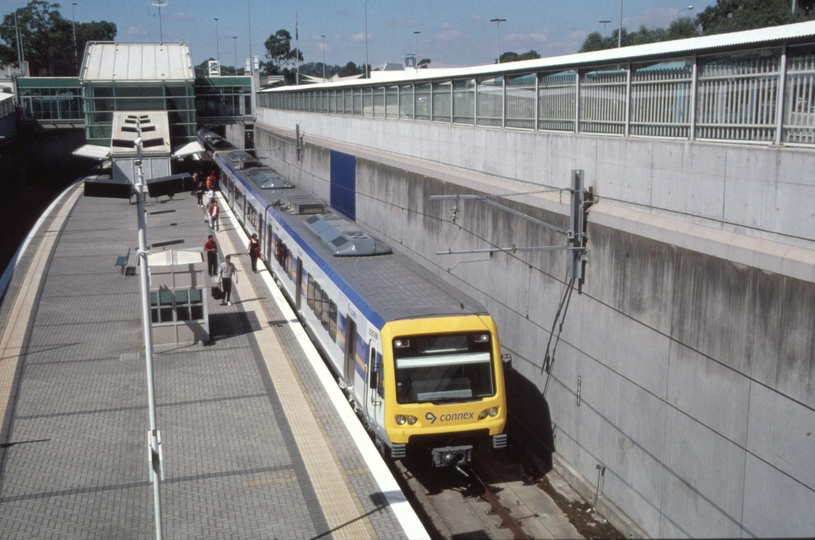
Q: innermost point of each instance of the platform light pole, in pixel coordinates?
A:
(367, 72)
(689, 8)
(18, 41)
(217, 45)
(154, 438)
(498, 23)
(620, 32)
(323, 36)
(159, 4)
(416, 33)
(235, 41)
(73, 25)
(249, 14)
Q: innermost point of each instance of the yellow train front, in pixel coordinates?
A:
(442, 389)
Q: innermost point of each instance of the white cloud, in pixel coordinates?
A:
(448, 36)
(135, 31)
(178, 16)
(359, 37)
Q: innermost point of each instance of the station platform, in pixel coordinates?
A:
(258, 441)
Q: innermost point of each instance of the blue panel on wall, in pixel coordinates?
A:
(344, 184)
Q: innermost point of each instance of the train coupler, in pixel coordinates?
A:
(452, 456)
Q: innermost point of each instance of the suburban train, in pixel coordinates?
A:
(419, 360)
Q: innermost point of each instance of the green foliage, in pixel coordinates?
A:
(424, 62)
(515, 57)
(351, 69)
(48, 43)
(736, 15)
(279, 53)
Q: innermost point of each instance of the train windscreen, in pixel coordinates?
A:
(443, 368)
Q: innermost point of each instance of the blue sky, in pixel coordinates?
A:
(454, 33)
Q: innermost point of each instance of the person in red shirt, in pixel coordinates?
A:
(214, 213)
(211, 181)
(212, 255)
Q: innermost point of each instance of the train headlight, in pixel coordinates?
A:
(483, 414)
(401, 343)
(494, 411)
(411, 420)
(400, 419)
(482, 338)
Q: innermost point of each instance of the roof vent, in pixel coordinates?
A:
(301, 205)
(343, 238)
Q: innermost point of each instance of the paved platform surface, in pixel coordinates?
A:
(254, 444)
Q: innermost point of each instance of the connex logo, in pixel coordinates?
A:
(449, 417)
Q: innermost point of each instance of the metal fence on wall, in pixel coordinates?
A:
(764, 95)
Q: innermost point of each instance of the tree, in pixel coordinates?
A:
(279, 52)
(351, 69)
(515, 57)
(735, 15)
(424, 62)
(679, 29)
(47, 37)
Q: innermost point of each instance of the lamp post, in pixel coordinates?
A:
(251, 60)
(323, 36)
(235, 40)
(620, 33)
(18, 41)
(417, 49)
(604, 23)
(73, 25)
(367, 73)
(159, 4)
(689, 8)
(217, 45)
(498, 23)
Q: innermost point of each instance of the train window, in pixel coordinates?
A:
(318, 305)
(310, 292)
(325, 310)
(332, 321)
(291, 268)
(439, 368)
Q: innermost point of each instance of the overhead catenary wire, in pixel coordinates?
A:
(560, 316)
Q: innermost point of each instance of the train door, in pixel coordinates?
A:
(350, 351)
(374, 391)
(268, 254)
(299, 285)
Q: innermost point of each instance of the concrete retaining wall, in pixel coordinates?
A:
(693, 343)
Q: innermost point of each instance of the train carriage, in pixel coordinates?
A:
(419, 359)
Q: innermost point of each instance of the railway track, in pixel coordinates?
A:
(500, 498)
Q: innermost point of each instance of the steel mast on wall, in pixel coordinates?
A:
(581, 200)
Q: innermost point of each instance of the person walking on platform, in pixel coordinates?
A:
(211, 181)
(226, 272)
(254, 252)
(212, 256)
(214, 213)
(199, 189)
